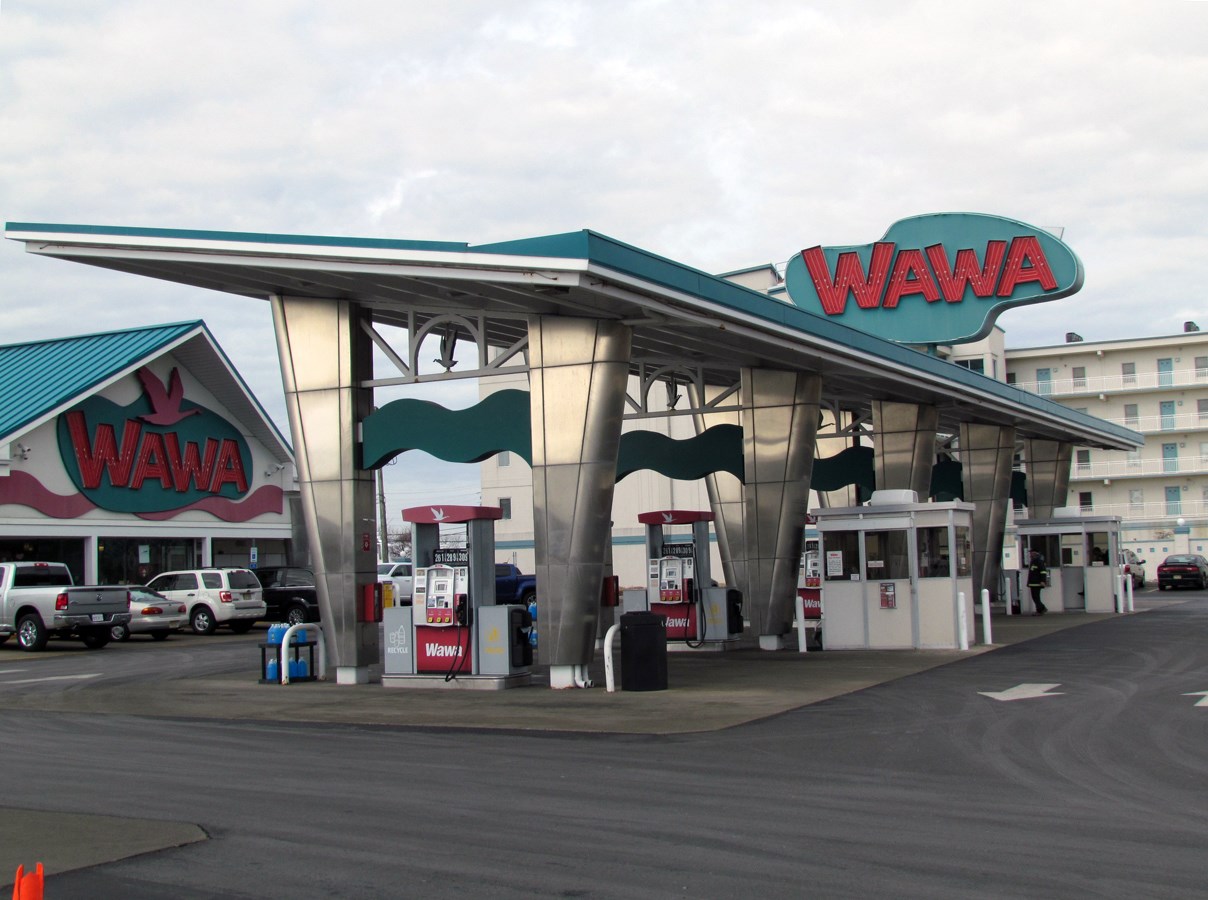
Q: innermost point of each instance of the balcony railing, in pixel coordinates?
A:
(1192, 511)
(1112, 384)
(1192, 421)
(1140, 468)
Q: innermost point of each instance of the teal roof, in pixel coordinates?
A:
(39, 377)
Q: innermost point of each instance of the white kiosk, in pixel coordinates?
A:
(893, 572)
(1083, 557)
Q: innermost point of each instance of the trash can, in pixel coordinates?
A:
(643, 652)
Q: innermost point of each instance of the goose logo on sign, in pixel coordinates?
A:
(935, 279)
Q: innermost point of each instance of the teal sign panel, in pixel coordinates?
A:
(941, 278)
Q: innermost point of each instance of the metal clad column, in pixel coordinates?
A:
(725, 500)
(780, 424)
(904, 446)
(1048, 464)
(325, 356)
(987, 452)
(577, 377)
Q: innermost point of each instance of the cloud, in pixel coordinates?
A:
(718, 134)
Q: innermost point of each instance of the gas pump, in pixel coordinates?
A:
(453, 634)
(697, 614)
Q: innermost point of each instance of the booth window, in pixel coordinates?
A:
(934, 552)
(841, 555)
(1047, 545)
(1096, 548)
(964, 552)
(887, 554)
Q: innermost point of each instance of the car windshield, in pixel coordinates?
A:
(384, 568)
(1180, 560)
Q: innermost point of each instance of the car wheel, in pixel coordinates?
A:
(31, 633)
(295, 615)
(243, 626)
(160, 635)
(96, 638)
(201, 620)
(119, 633)
(528, 597)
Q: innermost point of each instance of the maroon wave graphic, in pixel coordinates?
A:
(23, 489)
(266, 499)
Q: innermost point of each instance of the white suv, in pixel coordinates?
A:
(215, 597)
(401, 575)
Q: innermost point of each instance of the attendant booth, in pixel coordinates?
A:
(1083, 557)
(894, 572)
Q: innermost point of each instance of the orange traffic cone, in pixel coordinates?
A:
(28, 887)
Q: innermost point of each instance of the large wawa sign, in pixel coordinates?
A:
(160, 455)
(935, 279)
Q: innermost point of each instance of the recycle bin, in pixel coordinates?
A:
(643, 652)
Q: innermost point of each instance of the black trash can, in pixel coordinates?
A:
(643, 652)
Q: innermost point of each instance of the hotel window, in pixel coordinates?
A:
(1010, 378)
(1131, 418)
(973, 365)
(1086, 500)
(505, 504)
(1134, 459)
(1201, 408)
(1201, 367)
(1079, 373)
(1083, 460)
(1136, 500)
(1128, 372)
(504, 459)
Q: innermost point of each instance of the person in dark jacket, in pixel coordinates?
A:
(1038, 579)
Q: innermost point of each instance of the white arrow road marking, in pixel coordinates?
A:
(1023, 692)
(1203, 695)
(51, 678)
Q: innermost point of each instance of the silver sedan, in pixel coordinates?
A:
(150, 613)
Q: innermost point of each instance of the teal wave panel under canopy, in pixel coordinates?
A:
(500, 422)
(853, 465)
(717, 449)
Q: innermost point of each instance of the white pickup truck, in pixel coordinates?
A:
(38, 600)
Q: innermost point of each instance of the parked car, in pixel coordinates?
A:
(513, 586)
(1134, 567)
(214, 597)
(402, 575)
(289, 594)
(1183, 570)
(150, 613)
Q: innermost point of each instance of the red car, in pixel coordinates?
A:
(1183, 570)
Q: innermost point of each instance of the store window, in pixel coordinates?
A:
(886, 555)
(841, 555)
(138, 560)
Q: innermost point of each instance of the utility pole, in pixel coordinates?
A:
(384, 547)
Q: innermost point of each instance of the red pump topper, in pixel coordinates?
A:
(369, 609)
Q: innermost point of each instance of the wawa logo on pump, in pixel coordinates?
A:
(935, 279)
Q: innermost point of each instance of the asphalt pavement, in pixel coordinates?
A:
(706, 692)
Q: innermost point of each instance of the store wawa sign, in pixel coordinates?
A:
(935, 279)
(160, 455)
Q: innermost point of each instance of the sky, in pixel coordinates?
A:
(718, 134)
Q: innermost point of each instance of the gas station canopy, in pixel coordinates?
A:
(678, 315)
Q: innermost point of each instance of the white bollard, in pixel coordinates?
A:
(987, 630)
(1120, 592)
(802, 634)
(610, 680)
(962, 622)
(1129, 585)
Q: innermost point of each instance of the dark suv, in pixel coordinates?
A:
(289, 594)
